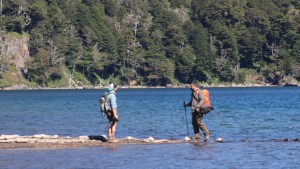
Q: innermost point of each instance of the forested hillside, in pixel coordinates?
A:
(152, 42)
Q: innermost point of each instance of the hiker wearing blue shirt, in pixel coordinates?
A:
(112, 115)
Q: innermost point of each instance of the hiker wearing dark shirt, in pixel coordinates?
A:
(197, 100)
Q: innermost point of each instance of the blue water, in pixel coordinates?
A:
(240, 114)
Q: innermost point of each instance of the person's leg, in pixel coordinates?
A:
(109, 132)
(113, 129)
(203, 128)
(195, 126)
(110, 126)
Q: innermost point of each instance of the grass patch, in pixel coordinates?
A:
(80, 79)
(11, 76)
(252, 77)
(62, 82)
(14, 35)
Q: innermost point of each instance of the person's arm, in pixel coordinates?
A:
(115, 115)
(190, 103)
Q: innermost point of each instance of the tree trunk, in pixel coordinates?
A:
(1, 8)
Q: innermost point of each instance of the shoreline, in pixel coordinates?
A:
(233, 85)
(55, 141)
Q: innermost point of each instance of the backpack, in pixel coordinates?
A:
(206, 96)
(206, 107)
(105, 105)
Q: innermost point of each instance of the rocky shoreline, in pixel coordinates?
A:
(55, 141)
(25, 87)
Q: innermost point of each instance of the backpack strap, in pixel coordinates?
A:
(198, 99)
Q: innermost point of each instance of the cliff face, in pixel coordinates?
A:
(15, 50)
(14, 53)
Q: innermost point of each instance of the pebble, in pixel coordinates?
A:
(219, 139)
(44, 136)
(149, 139)
(130, 138)
(187, 138)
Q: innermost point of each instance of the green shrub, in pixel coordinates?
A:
(241, 77)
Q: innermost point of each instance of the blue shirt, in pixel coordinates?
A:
(112, 99)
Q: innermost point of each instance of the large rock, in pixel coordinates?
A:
(16, 49)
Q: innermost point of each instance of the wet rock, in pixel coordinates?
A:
(219, 139)
(55, 137)
(102, 138)
(43, 136)
(187, 138)
(152, 140)
(149, 139)
(130, 138)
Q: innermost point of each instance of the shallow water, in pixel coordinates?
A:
(240, 114)
(226, 155)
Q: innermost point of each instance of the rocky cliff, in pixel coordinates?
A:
(14, 50)
(14, 53)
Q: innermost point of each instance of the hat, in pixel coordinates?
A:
(111, 87)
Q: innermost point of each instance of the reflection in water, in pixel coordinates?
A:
(113, 147)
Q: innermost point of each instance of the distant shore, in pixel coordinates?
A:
(232, 85)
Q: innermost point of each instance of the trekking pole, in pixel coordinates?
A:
(186, 121)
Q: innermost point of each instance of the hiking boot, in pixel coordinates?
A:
(112, 140)
(206, 136)
(196, 137)
(109, 139)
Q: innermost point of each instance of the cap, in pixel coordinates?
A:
(111, 87)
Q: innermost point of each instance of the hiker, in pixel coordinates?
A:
(197, 101)
(112, 111)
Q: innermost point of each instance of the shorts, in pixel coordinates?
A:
(109, 116)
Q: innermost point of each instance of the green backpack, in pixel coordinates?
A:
(105, 105)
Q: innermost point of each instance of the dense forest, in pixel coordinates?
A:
(154, 42)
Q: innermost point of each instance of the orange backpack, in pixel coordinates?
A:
(206, 97)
